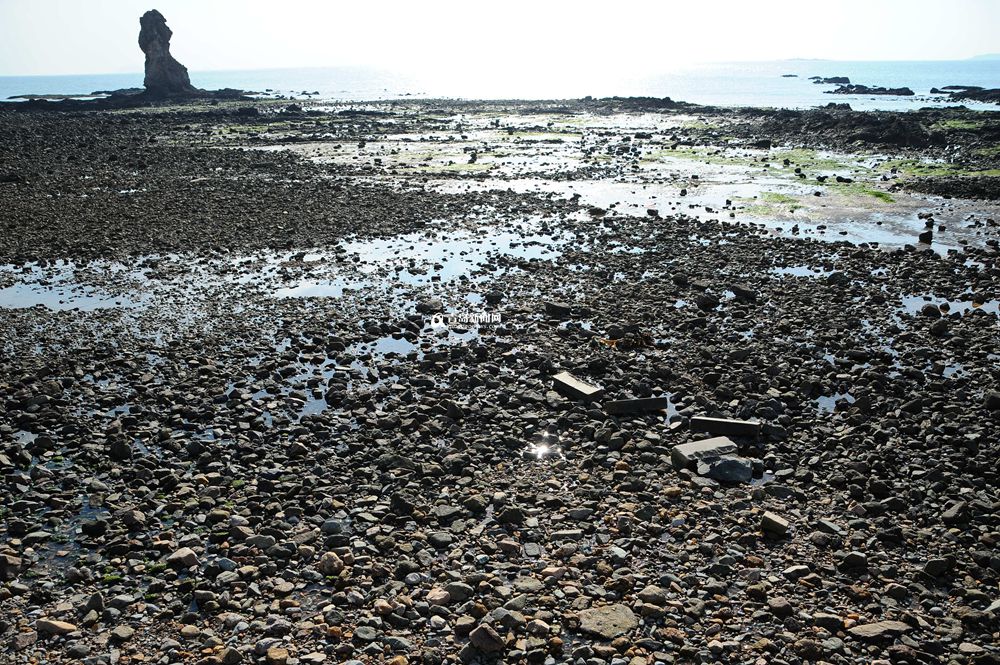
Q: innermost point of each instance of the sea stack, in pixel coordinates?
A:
(165, 77)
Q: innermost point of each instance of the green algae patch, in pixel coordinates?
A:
(960, 123)
(992, 151)
(769, 204)
(810, 160)
(699, 154)
(878, 194)
(807, 160)
(860, 190)
(775, 197)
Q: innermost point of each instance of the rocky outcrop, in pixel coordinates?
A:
(843, 127)
(859, 89)
(986, 188)
(958, 93)
(165, 77)
(832, 80)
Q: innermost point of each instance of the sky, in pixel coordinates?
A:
(40, 37)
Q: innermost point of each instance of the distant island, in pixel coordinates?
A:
(986, 56)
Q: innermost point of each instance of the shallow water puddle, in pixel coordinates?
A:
(457, 252)
(914, 304)
(420, 259)
(25, 437)
(955, 369)
(310, 288)
(779, 204)
(801, 271)
(625, 196)
(61, 298)
(414, 260)
(828, 404)
(389, 345)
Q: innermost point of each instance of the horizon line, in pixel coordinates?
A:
(389, 68)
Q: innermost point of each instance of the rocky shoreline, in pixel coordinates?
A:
(257, 406)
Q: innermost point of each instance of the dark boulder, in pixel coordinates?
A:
(832, 80)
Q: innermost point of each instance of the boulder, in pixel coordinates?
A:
(486, 639)
(330, 564)
(185, 557)
(727, 469)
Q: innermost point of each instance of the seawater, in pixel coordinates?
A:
(723, 84)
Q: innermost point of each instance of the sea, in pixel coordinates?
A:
(733, 84)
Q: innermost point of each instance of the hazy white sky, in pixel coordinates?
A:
(99, 36)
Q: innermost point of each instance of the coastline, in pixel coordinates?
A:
(726, 84)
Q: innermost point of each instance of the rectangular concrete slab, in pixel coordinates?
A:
(568, 385)
(637, 405)
(725, 426)
(686, 455)
(774, 524)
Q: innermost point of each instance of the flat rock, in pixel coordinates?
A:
(122, 633)
(51, 627)
(22, 641)
(438, 597)
(879, 630)
(608, 622)
(528, 585)
(230, 656)
(780, 607)
(557, 309)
